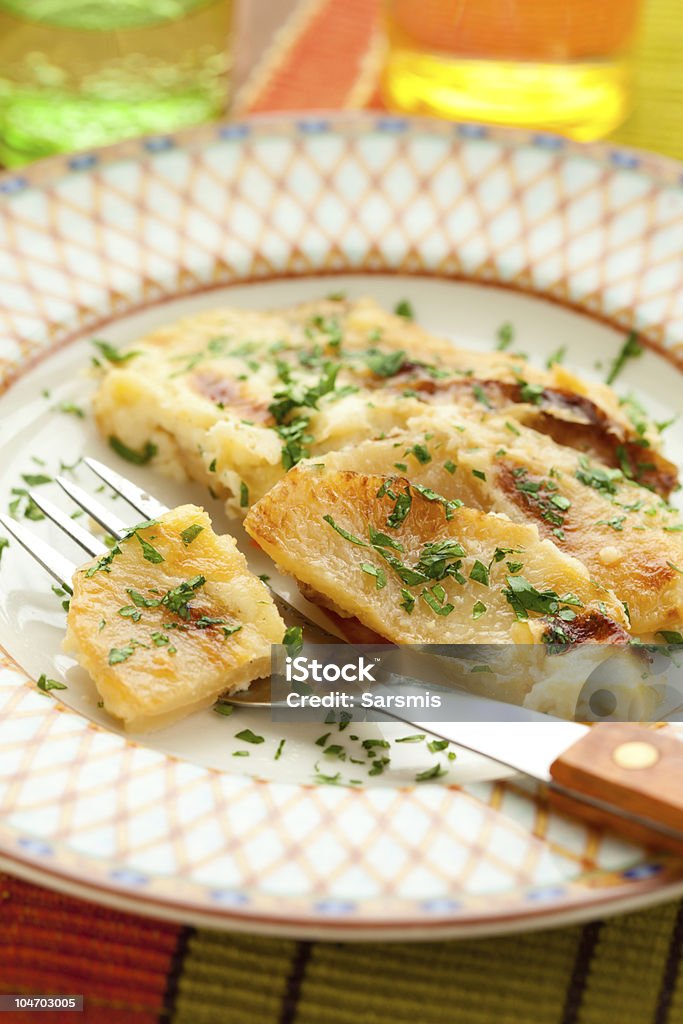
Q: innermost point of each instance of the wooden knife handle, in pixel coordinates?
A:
(636, 770)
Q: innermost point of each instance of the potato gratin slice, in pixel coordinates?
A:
(417, 568)
(170, 619)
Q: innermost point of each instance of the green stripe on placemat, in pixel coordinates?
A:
(622, 971)
(657, 120)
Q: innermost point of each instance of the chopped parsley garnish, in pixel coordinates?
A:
(450, 466)
(249, 737)
(415, 738)
(598, 477)
(138, 458)
(379, 574)
(382, 540)
(119, 654)
(429, 495)
(280, 748)
(46, 684)
(344, 533)
(335, 750)
(436, 598)
(36, 479)
(435, 745)
(384, 364)
(431, 773)
(112, 354)
(556, 357)
(4, 543)
(221, 708)
(677, 528)
(506, 335)
(421, 453)
(480, 573)
(631, 349)
(402, 505)
(481, 396)
(404, 309)
(531, 393)
(544, 496)
(616, 522)
(149, 552)
(71, 409)
(524, 598)
(293, 640)
(408, 600)
(479, 474)
(670, 636)
(190, 533)
(512, 428)
(177, 598)
(130, 612)
(244, 495)
(478, 609)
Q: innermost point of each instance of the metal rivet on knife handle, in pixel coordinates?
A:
(635, 755)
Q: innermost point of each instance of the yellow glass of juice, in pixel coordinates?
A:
(558, 65)
(80, 73)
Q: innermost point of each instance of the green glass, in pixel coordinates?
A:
(80, 73)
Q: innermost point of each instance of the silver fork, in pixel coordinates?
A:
(62, 569)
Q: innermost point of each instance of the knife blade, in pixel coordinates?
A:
(615, 775)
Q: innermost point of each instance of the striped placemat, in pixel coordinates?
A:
(626, 970)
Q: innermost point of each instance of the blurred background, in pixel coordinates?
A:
(75, 74)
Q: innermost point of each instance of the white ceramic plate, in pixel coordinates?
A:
(259, 215)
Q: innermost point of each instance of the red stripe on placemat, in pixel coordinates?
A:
(53, 944)
(325, 61)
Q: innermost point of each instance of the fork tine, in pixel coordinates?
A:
(107, 520)
(82, 537)
(143, 502)
(59, 567)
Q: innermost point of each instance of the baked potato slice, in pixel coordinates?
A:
(629, 539)
(234, 399)
(416, 568)
(169, 620)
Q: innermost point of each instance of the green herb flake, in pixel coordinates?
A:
(556, 357)
(46, 684)
(415, 738)
(479, 474)
(450, 466)
(384, 364)
(631, 349)
(379, 574)
(138, 458)
(505, 336)
(478, 609)
(480, 573)
(221, 708)
(119, 654)
(670, 636)
(149, 552)
(344, 533)
(112, 354)
(293, 640)
(249, 737)
(434, 746)
(190, 533)
(437, 772)
(421, 453)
